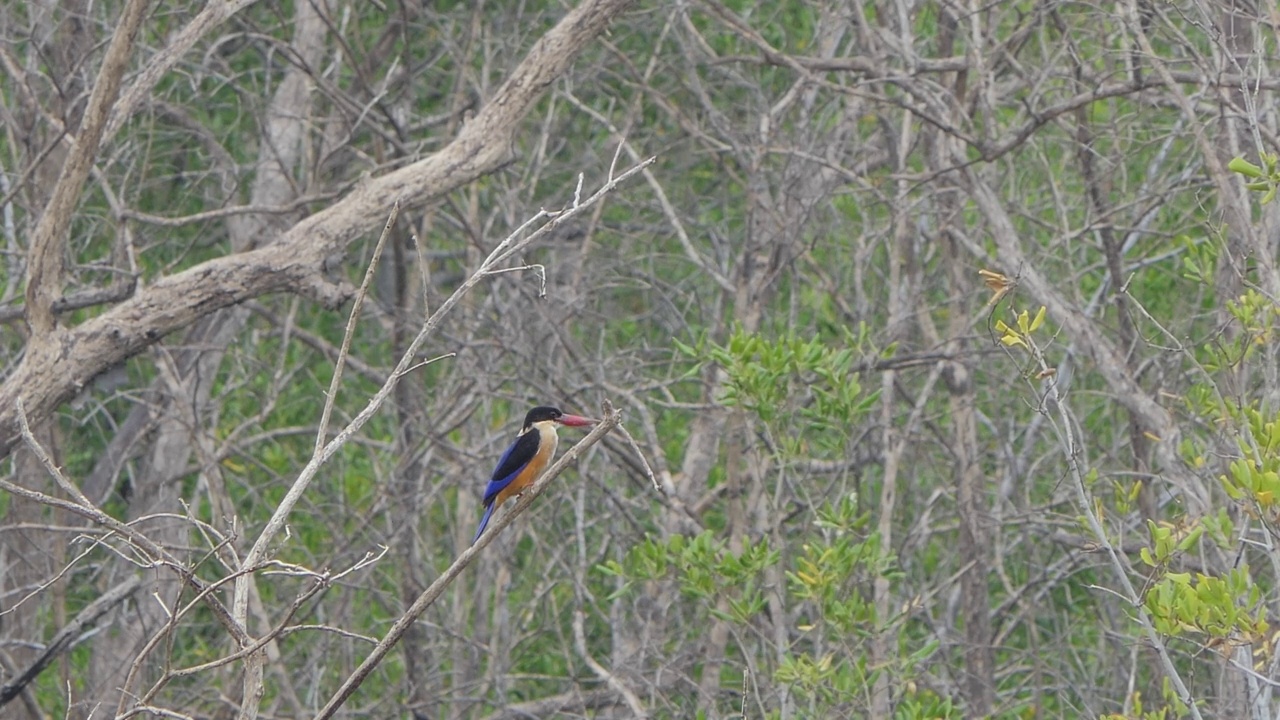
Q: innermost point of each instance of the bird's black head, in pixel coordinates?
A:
(543, 413)
(540, 413)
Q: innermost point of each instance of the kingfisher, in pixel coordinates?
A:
(526, 458)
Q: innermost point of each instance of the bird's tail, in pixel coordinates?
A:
(484, 522)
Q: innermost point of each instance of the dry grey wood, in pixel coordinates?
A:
(46, 262)
(52, 372)
(65, 638)
(154, 555)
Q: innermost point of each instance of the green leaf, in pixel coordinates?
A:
(1244, 167)
(1191, 538)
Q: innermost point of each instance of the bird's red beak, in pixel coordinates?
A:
(576, 420)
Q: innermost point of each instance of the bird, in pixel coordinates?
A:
(526, 459)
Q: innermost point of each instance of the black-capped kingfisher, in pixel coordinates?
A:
(526, 459)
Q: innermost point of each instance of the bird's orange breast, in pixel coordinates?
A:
(531, 472)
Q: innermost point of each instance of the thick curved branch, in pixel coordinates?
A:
(54, 371)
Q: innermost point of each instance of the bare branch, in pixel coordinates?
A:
(83, 508)
(336, 382)
(51, 373)
(512, 244)
(428, 597)
(612, 680)
(45, 264)
(65, 638)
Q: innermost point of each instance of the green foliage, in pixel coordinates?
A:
(1229, 608)
(705, 571)
(1217, 607)
(1199, 260)
(1255, 318)
(1265, 180)
(1254, 477)
(1166, 543)
(1221, 608)
(831, 575)
(925, 705)
(805, 391)
(1172, 709)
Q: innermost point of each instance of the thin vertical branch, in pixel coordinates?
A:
(1063, 426)
(45, 265)
(336, 382)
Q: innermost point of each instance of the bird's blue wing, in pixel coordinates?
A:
(515, 459)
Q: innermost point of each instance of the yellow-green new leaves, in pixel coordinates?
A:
(1265, 181)
(1254, 477)
(1228, 608)
(1035, 324)
(1008, 336)
(1172, 709)
(1246, 168)
(1000, 285)
(1018, 337)
(1199, 259)
(1255, 315)
(1167, 540)
(1249, 480)
(1219, 607)
(705, 569)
